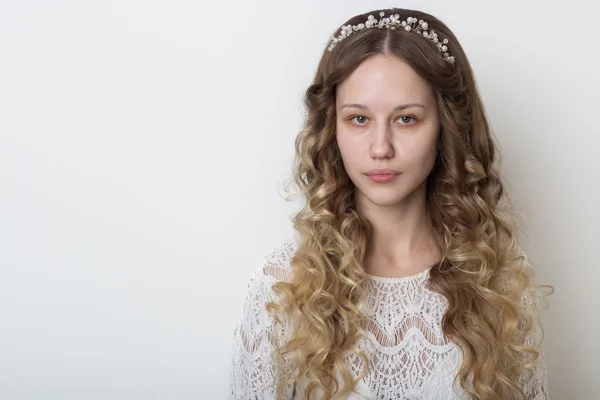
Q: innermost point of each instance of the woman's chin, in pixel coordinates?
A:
(384, 198)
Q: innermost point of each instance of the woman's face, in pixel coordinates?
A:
(372, 131)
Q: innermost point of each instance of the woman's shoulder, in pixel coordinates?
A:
(276, 264)
(253, 371)
(274, 267)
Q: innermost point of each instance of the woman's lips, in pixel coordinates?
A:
(383, 178)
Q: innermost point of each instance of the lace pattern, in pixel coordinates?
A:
(409, 355)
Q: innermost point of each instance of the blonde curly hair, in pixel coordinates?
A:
(483, 272)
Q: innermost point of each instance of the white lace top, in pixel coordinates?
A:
(409, 355)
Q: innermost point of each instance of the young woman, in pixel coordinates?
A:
(405, 279)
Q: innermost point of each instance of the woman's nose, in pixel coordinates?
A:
(381, 143)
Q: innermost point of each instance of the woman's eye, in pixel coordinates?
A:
(359, 116)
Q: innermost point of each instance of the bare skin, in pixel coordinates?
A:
(375, 135)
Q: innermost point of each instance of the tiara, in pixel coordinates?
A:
(392, 22)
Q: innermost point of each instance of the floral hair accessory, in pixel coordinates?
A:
(393, 22)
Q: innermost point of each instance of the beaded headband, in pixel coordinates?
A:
(393, 22)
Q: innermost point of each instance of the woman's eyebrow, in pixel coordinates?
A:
(397, 108)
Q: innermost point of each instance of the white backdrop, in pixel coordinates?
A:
(143, 148)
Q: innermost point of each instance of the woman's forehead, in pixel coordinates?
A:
(383, 79)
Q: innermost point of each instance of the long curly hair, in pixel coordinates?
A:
(483, 272)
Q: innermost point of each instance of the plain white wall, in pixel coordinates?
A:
(143, 147)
